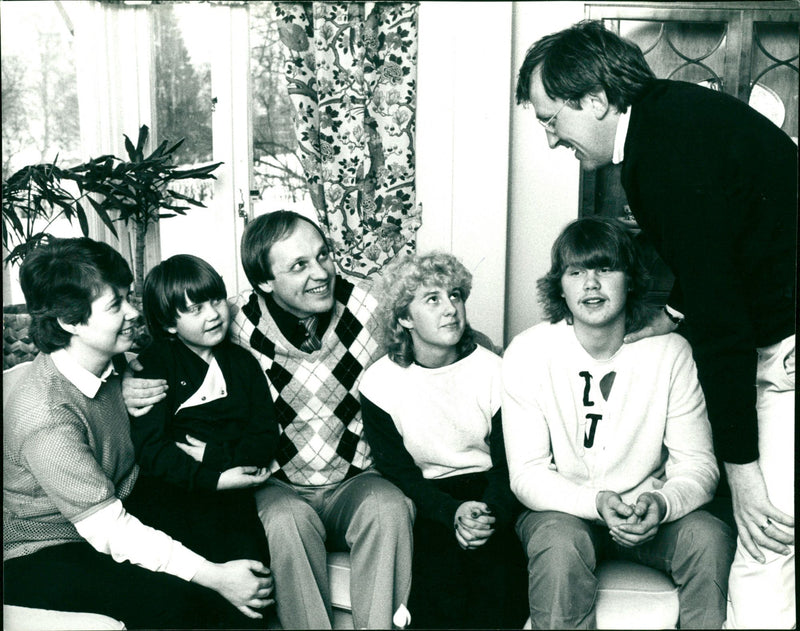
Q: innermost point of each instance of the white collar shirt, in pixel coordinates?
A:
(622, 134)
(85, 381)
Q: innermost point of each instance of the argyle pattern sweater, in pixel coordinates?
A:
(315, 394)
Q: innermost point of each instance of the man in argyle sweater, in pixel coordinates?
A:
(313, 333)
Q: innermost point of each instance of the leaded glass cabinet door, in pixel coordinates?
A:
(746, 49)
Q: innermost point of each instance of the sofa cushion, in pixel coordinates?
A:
(634, 596)
(29, 619)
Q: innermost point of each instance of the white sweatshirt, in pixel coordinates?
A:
(444, 415)
(575, 425)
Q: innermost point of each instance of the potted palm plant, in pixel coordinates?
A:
(33, 198)
(135, 191)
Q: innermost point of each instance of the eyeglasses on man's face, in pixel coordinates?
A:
(550, 123)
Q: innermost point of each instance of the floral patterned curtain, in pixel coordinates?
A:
(352, 80)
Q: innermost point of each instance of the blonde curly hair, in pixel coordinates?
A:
(399, 284)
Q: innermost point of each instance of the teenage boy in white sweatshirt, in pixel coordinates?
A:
(609, 445)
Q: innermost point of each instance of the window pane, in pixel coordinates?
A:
(39, 90)
(278, 176)
(182, 32)
(775, 73)
(40, 120)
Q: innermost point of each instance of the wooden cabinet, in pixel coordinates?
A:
(747, 49)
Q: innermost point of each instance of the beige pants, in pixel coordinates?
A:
(366, 515)
(761, 596)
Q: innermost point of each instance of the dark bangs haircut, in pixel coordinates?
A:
(61, 279)
(168, 285)
(593, 243)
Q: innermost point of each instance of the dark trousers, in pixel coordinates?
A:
(452, 588)
(76, 577)
(220, 526)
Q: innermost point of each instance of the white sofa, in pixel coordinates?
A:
(630, 595)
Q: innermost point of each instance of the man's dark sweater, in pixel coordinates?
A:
(713, 184)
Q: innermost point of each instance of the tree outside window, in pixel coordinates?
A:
(39, 86)
(278, 176)
(183, 96)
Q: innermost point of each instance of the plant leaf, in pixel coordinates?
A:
(144, 132)
(130, 148)
(84, 224)
(186, 198)
(101, 212)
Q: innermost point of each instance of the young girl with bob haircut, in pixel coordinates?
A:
(71, 541)
(205, 446)
(431, 411)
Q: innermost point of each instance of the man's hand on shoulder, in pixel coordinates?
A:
(141, 395)
(660, 324)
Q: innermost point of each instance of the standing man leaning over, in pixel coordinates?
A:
(313, 333)
(713, 185)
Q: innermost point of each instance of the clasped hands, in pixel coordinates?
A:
(474, 524)
(243, 477)
(631, 526)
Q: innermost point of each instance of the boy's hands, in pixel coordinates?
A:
(141, 395)
(193, 447)
(649, 511)
(242, 478)
(612, 509)
(630, 526)
(473, 524)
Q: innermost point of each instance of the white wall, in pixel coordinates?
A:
(492, 191)
(543, 183)
(464, 78)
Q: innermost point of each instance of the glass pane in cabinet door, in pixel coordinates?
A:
(182, 32)
(774, 74)
(279, 181)
(684, 51)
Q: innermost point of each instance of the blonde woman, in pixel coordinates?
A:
(431, 411)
